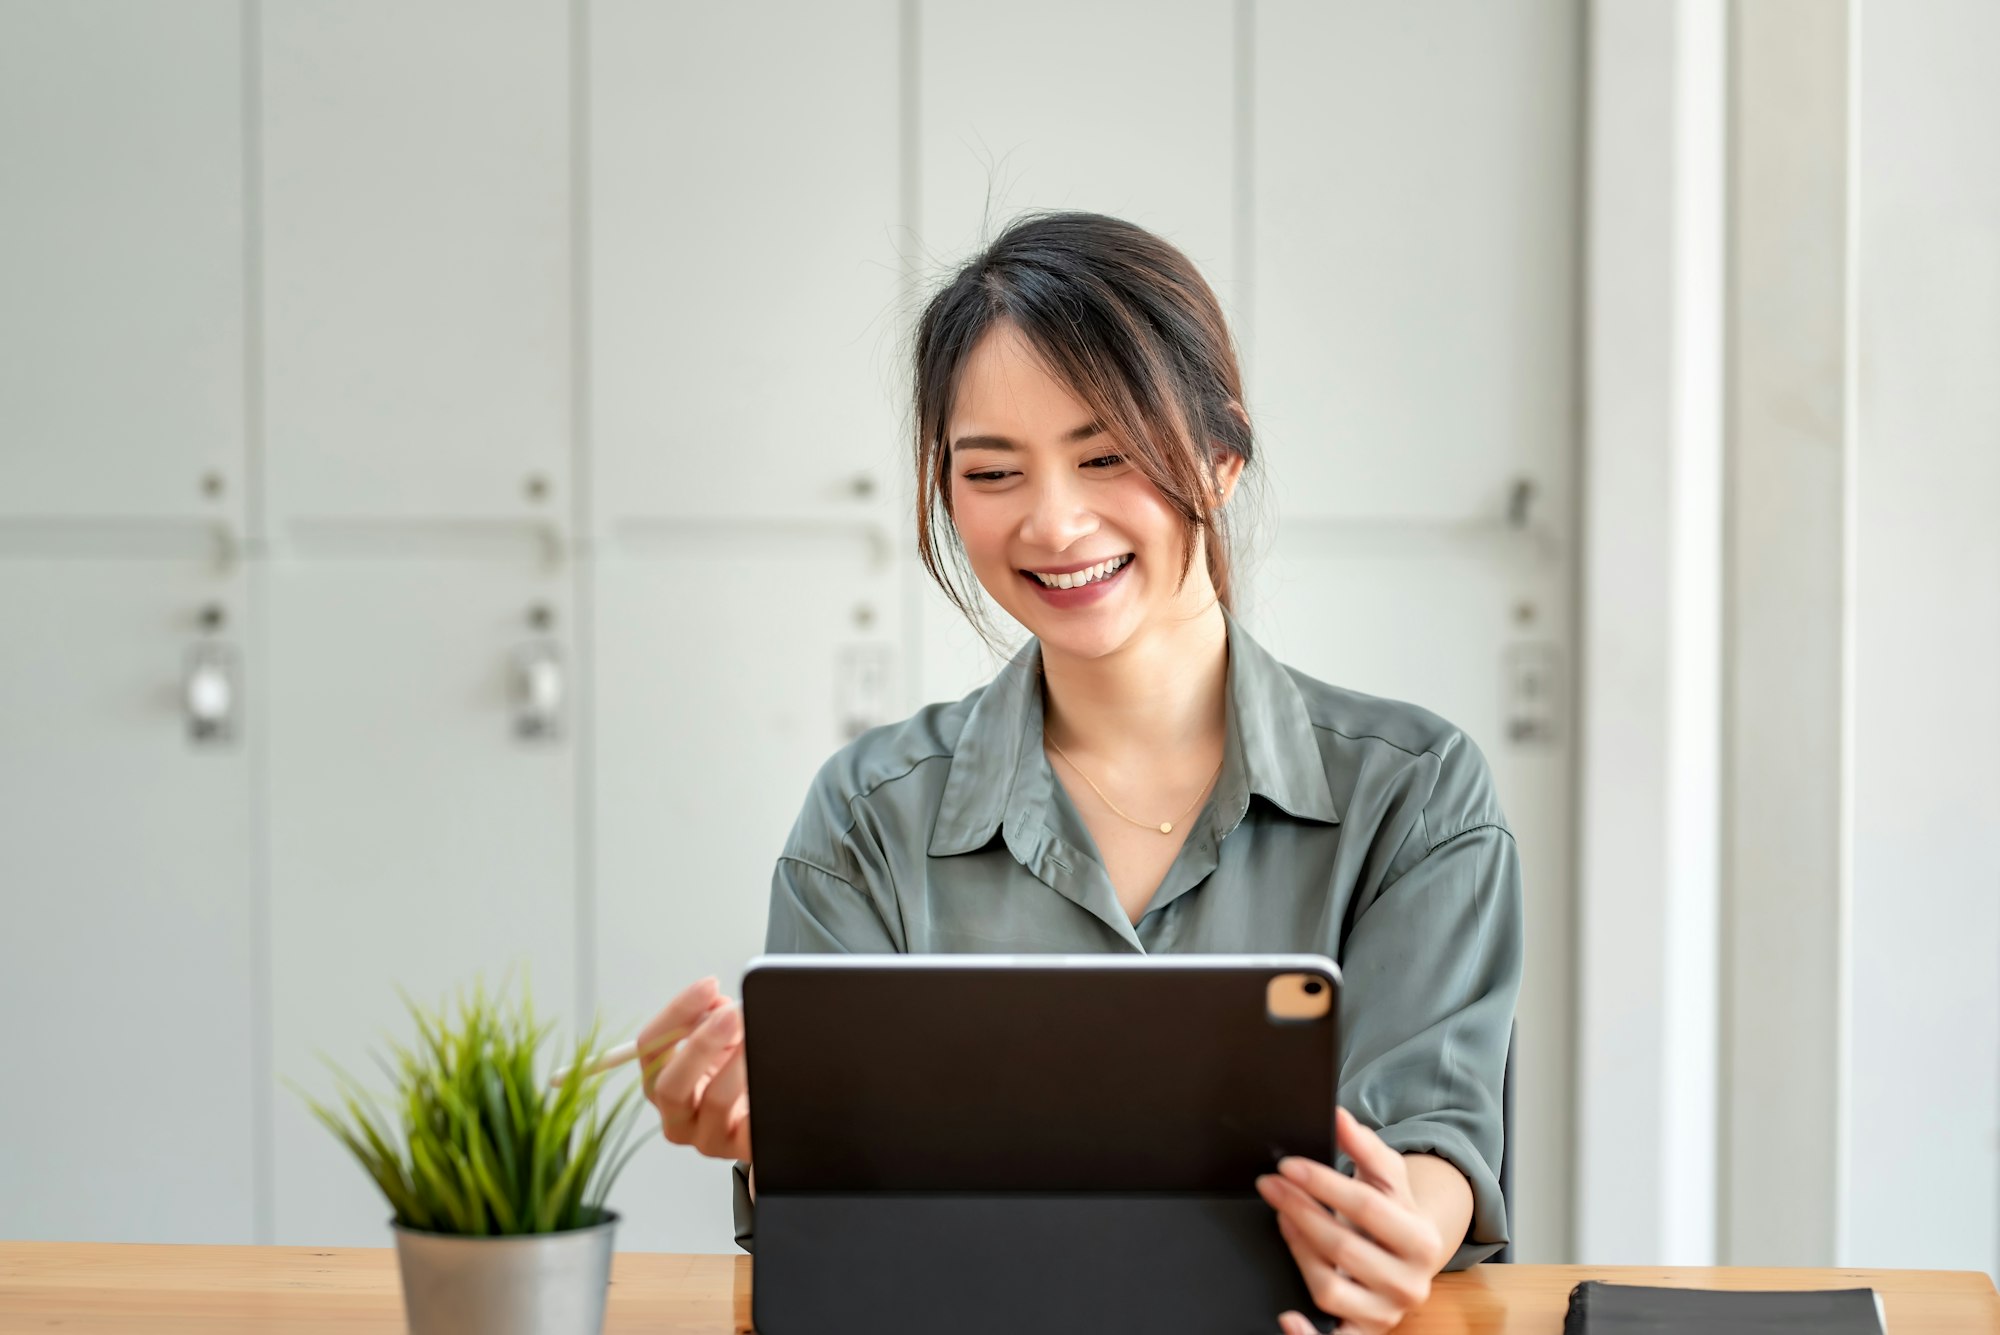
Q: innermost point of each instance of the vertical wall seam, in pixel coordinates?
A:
(1850, 459)
(1726, 693)
(263, 1149)
(583, 550)
(1565, 1249)
(909, 205)
(1244, 180)
(1582, 406)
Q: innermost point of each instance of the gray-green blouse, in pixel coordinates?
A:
(1355, 827)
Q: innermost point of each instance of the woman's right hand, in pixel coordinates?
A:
(700, 1088)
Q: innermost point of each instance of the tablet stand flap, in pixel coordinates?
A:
(837, 1263)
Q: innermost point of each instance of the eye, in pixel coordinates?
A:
(989, 476)
(1105, 461)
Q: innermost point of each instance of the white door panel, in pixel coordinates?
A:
(722, 684)
(1124, 107)
(126, 968)
(415, 839)
(121, 258)
(1416, 240)
(416, 210)
(744, 262)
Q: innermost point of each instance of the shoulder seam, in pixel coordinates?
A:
(1371, 737)
(1434, 847)
(824, 871)
(884, 782)
(1470, 829)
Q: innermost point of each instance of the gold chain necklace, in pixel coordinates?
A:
(1165, 826)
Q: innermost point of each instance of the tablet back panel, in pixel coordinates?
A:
(1058, 1144)
(1090, 1076)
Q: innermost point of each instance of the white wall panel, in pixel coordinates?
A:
(1649, 763)
(416, 209)
(744, 182)
(126, 965)
(1785, 727)
(1116, 106)
(720, 664)
(414, 839)
(1922, 1147)
(1415, 243)
(121, 257)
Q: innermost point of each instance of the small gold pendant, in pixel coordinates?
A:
(1166, 827)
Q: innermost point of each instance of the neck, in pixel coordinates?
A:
(1162, 694)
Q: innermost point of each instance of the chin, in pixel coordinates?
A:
(1078, 637)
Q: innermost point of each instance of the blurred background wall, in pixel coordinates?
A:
(453, 494)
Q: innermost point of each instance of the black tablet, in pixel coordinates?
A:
(1045, 1143)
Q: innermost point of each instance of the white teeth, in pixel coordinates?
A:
(1078, 578)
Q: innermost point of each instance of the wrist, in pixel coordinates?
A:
(1444, 1198)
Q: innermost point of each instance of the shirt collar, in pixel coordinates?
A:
(998, 775)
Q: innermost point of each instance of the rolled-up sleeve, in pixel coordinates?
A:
(813, 912)
(1431, 971)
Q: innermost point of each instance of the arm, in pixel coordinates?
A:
(813, 911)
(1443, 1196)
(1431, 973)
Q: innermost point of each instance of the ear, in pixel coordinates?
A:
(1227, 468)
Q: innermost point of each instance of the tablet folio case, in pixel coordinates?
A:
(1597, 1308)
(992, 1152)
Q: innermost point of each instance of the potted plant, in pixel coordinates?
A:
(497, 1174)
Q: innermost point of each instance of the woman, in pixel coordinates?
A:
(1143, 776)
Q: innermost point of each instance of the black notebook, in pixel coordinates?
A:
(1596, 1308)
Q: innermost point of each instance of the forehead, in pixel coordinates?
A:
(1005, 388)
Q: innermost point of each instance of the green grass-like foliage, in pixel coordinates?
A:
(487, 1146)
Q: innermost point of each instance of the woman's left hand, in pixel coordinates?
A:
(1367, 1252)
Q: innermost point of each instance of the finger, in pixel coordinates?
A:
(656, 1052)
(1401, 1282)
(716, 1104)
(680, 1014)
(1389, 1220)
(1332, 1292)
(1373, 1159)
(739, 1135)
(677, 1090)
(1295, 1323)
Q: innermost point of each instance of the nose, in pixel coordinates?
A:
(1057, 514)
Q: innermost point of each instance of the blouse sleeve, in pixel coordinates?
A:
(1430, 973)
(813, 911)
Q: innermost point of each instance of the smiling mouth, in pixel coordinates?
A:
(1077, 579)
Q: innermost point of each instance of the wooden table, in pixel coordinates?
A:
(96, 1289)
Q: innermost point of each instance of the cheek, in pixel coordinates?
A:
(981, 526)
(1144, 516)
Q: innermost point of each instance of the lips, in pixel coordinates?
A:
(1080, 575)
(1085, 593)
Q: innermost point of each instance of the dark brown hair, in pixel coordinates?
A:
(1127, 322)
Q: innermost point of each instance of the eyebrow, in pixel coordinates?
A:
(1084, 432)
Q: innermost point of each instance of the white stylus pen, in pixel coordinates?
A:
(619, 1055)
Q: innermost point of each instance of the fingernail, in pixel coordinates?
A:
(1295, 1169)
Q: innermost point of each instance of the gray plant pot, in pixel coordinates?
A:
(537, 1284)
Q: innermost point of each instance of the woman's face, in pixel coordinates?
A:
(1042, 497)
